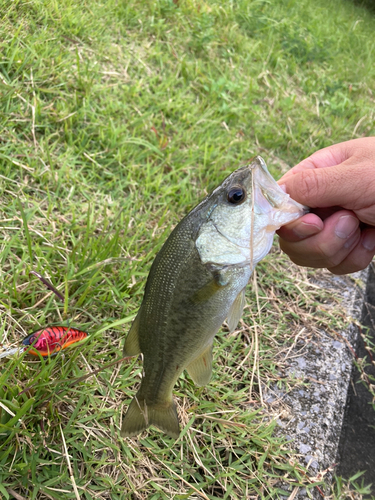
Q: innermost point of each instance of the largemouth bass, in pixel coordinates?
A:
(196, 282)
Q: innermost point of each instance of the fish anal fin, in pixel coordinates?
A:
(131, 346)
(140, 416)
(201, 368)
(236, 311)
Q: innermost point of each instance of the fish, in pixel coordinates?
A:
(196, 282)
(52, 339)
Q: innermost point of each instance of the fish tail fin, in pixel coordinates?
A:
(140, 415)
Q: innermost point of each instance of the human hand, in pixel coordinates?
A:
(338, 184)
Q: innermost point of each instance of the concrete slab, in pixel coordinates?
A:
(357, 442)
(313, 414)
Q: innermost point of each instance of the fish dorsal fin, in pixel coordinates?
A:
(236, 311)
(131, 347)
(200, 369)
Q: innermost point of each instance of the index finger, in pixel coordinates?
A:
(331, 155)
(339, 185)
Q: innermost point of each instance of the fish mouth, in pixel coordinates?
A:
(270, 199)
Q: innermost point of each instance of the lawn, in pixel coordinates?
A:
(117, 117)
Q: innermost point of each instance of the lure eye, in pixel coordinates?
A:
(29, 340)
(236, 195)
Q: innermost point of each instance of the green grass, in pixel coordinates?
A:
(116, 118)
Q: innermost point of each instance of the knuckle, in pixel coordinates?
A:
(332, 262)
(339, 271)
(310, 185)
(364, 152)
(362, 260)
(334, 252)
(356, 261)
(328, 255)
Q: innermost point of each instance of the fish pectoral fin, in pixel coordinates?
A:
(201, 368)
(131, 346)
(211, 288)
(140, 415)
(236, 311)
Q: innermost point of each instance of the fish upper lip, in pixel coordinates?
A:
(259, 163)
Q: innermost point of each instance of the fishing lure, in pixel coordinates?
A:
(48, 341)
(52, 339)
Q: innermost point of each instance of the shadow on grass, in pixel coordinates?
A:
(367, 4)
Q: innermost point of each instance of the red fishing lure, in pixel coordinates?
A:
(52, 339)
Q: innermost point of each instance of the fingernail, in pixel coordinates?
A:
(345, 226)
(369, 241)
(283, 187)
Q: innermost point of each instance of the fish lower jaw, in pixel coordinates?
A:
(271, 228)
(282, 218)
(274, 226)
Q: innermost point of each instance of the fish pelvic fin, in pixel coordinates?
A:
(131, 346)
(201, 368)
(140, 415)
(236, 311)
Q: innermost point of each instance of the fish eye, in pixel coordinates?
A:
(236, 195)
